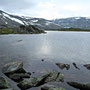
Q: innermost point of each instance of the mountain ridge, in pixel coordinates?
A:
(71, 22)
(15, 20)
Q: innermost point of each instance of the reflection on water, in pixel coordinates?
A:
(45, 47)
(53, 47)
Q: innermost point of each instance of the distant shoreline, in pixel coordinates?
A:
(70, 29)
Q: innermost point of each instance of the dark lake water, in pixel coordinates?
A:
(53, 47)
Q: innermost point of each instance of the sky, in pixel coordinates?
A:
(48, 9)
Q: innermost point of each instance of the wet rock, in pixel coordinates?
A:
(67, 66)
(28, 83)
(29, 73)
(62, 66)
(51, 87)
(80, 86)
(17, 77)
(87, 66)
(13, 67)
(75, 65)
(3, 83)
(54, 76)
(35, 82)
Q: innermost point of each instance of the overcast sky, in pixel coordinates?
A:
(48, 9)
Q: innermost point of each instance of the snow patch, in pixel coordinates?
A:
(87, 17)
(34, 21)
(14, 19)
(6, 23)
(17, 20)
(77, 18)
(28, 23)
(48, 23)
(26, 17)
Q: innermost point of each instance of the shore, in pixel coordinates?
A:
(70, 29)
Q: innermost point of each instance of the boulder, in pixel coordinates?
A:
(80, 86)
(18, 76)
(51, 87)
(13, 67)
(87, 66)
(3, 83)
(28, 83)
(54, 76)
(35, 82)
(62, 66)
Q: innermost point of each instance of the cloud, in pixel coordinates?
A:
(16, 5)
(48, 9)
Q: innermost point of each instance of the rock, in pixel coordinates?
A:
(67, 66)
(74, 64)
(29, 73)
(62, 66)
(80, 86)
(51, 87)
(18, 76)
(87, 66)
(31, 82)
(54, 76)
(13, 67)
(35, 82)
(3, 83)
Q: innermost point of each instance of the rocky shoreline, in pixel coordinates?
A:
(22, 29)
(25, 80)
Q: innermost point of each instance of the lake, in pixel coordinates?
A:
(53, 47)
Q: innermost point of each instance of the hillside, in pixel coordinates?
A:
(14, 21)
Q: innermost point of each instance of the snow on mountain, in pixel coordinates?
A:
(73, 22)
(15, 20)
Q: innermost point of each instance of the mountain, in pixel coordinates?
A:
(73, 22)
(15, 21)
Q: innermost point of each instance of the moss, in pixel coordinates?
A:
(3, 83)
